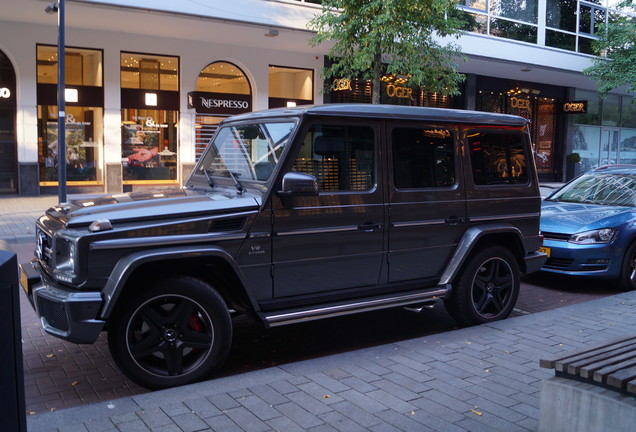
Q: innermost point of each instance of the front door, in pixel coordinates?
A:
(8, 161)
(334, 241)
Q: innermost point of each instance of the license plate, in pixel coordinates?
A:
(545, 250)
(24, 281)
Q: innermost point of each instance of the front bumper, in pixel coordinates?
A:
(596, 260)
(67, 314)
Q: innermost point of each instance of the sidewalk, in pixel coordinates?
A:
(18, 216)
(484, 378)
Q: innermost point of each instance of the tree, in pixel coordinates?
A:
(616, 65)
(399, 37)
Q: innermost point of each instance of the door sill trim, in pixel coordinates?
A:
(291, 316)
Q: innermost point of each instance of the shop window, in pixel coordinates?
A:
(628, 117)
(222, 90)
(290, 86)
(223, 77)
(84, 122)
(611, 110)
(340, 157)
(149, 72)
(628, 146)
(586, 144)
(422, 157)
(593, 114)
(149, 145)
(497, 157)
(83, 66)
(84, 126)
(150, 114)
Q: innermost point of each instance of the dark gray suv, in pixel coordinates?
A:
(294, 215)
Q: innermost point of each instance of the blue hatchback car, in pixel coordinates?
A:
(589, 226)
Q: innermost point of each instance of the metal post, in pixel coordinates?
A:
(61, 105)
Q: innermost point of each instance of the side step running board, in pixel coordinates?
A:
(291, 316)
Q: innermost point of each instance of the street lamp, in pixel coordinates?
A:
(61, 103)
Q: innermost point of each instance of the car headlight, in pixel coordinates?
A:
(65, 255)
(603, 235)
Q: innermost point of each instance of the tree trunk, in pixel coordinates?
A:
(377, 75)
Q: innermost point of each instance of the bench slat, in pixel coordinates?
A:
(599, 361)
(551, 363)
(591, 356)
(619, 379)
(602, 374)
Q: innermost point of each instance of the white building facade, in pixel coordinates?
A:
(147, 83)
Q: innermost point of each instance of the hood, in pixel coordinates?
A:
(571, 218)
(151, 205)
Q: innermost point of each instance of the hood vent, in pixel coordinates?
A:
(223, 225)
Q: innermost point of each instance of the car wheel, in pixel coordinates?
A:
(172, 333)
(627, 279)
(487, 287)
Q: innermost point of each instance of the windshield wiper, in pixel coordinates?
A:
(209, 177)
(237, 184)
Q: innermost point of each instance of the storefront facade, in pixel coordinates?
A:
(142, 104)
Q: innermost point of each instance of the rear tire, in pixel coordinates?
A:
(174, 332)
(487, 287)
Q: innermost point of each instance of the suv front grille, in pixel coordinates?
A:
(44, 247)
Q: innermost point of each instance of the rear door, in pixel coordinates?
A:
(426, 198)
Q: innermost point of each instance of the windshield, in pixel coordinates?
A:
(603, 189)
(246, 151)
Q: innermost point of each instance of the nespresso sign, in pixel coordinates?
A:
(219, 103)
(575, 107)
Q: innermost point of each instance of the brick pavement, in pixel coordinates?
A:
(484, 378)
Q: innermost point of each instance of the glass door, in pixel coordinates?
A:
(610, 152)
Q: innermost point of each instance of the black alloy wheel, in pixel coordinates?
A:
(487, 287)
(173, 333)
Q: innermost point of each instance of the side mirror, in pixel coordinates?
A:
(298, 184)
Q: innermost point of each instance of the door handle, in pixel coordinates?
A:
(369, 227)
(453, 220)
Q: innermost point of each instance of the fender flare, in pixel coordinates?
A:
(467, 243)
(126, 266)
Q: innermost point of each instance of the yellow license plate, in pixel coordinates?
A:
(24, 281)
(545, 250)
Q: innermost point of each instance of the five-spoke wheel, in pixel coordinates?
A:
(487, 288)
(175, 333)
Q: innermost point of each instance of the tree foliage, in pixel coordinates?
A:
(374, 37)
(616, 65)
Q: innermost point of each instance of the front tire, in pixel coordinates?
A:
(627, 279)
(487, 288)
(171, 333)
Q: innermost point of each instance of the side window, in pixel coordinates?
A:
(497, 157)
(340, 157)
(423, 157)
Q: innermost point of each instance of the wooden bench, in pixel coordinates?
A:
(611, 365)
(594, 389)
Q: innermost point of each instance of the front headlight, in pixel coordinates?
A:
(65, 257)
(603, 235)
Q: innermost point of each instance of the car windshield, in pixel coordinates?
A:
(604, 189)
(246, 151)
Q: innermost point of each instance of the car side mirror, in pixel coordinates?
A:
(298, 184)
